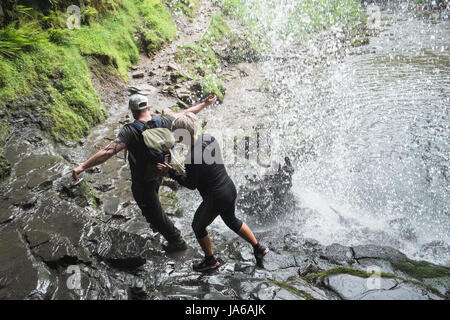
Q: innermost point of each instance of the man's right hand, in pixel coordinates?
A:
(76, 172)
(210, 99)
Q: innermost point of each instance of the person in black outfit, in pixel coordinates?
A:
(145, 177)
(206, 172)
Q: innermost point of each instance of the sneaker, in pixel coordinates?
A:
(260, 251)
(175, 246)
(208, 263)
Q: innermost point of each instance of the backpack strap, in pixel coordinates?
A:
(158, 122)
(138, 125)
(141, 127)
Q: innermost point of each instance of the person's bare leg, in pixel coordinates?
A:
(206, 245)
(247, 234)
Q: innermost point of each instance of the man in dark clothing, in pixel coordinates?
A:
(146, 179)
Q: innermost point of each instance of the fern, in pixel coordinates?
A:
(13, 39)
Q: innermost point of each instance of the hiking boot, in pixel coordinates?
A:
(259, 251)
(208, 263)
(175, 246)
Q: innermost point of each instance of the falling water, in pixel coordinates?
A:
(378, 124)
(367, 128)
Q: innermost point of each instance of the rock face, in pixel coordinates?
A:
(64, 248)
(268, 196)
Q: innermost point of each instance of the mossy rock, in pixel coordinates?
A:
(86, 195)
(188, 8)
(291, 288)
(5, 167)
(213, 84)
(178, 77)
(421, 269)
(361, 42)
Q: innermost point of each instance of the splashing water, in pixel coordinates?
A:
(377, 123)
(367, 128)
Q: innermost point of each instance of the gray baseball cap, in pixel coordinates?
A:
(138, 102)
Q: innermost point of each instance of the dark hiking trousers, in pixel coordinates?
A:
(221, 202)
(146, 196)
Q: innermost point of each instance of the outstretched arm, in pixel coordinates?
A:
(199, 107)
(100, 157)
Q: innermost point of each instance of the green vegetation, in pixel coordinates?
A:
(187, 7)
(233, 8)
(47, 67)
(421, 269)
(212, 84)
(158, 28)
(218, 30)
(86, 195)
(201, 58)
(197, 59)
(344, 270)
(13, 40)
(311, 16)
(41, 57)
(426, 270)
(294, 290)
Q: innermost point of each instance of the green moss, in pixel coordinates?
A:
(217, 30)
(294, 290)
(421, 269)
(201, 60)
(187, 7)
(178, 77)
(360, 42)
(159, 26)
(5, 167)
(197, 58)
(60, 74)
(311, 16)
(212, 84)
(233, 8)
(343, 270)
(53, 72)
(363, 274)
(111, 41)
(86, 195)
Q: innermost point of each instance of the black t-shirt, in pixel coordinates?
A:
(208, 175)
(141, 169)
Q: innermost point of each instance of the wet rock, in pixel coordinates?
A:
(110, 205)
(120, 249)
(350, 287)
(35, 162)
(268, 196)
(6, 214)
(40, 180)
(18, 277)
(403, 291)
(83, 192)
(338, 254)
(171, 67)
(23, 198)
(378, 252)
(138, 75)
(144, 89)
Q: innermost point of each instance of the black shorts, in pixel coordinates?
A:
(221, 202)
